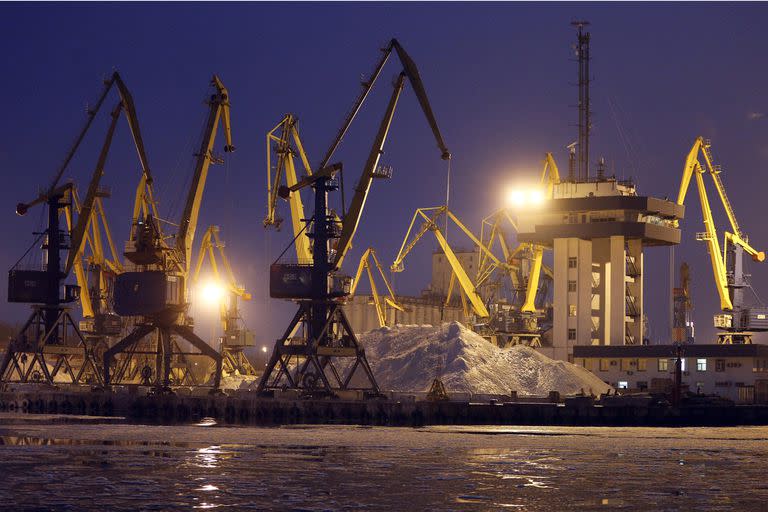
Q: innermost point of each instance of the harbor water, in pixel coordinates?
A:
(93, 466)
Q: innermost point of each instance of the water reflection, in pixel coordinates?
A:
(208, 457)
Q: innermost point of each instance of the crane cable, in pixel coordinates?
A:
(447, 197)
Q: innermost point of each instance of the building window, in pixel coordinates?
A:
(623, 384)
(682, 364)
(571, 286)
(663, 365)
(642, 365)
(604, 365)
(626, 365)
(719, 365)
(571, 309)
(642, 385)
(701, 365)
(572, 262)
(571, 334)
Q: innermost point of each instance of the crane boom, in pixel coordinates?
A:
(352, 218)
(390, 300)
(86, 208)
(550, 176)
(412, 72)
(430, 224)
(219, 110)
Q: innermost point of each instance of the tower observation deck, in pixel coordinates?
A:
(598, 229)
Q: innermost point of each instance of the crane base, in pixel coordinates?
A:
(38, 355)
(303, 364)
(171, 365)
(734, 338)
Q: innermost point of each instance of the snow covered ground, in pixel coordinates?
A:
(407, 358)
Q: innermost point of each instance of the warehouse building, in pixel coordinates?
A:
(736, 372)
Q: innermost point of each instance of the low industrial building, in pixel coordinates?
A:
(736, 372)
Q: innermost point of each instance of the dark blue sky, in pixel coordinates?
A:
(499, 77)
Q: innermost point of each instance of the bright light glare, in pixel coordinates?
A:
(517, 198)
(536, 196)
(211, 293)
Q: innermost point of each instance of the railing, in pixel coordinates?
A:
(631, 267)
(631, 306)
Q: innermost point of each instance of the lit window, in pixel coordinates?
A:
(571, 334)
(701, 365)
(571, 309)
(572, 262)
(604, 364)
(663, 365)
(642, 365)
(682, 364)
(571, 286)
(623, 384)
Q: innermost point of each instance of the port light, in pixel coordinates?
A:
(211, 293)
(521, 197)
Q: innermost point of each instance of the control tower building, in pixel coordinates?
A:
(598, 227)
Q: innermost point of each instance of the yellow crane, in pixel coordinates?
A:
(156, 291)
(737, 321)
(236, 337)
(283, 140)
(550, 176)
(94, 271)
(367, 260)
(430, 218)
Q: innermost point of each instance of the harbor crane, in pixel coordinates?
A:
(284, 141)
(155, 290)
(737, 321)
(430, 218)
(367, 261)
(50, 335)
(526, 320)
(319, 334)
(235, 336)
(95, 272)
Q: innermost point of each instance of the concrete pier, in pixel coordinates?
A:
(250, 409)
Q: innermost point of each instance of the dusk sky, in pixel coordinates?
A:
(500, 78)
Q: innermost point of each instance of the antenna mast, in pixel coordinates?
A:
(585, 122)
